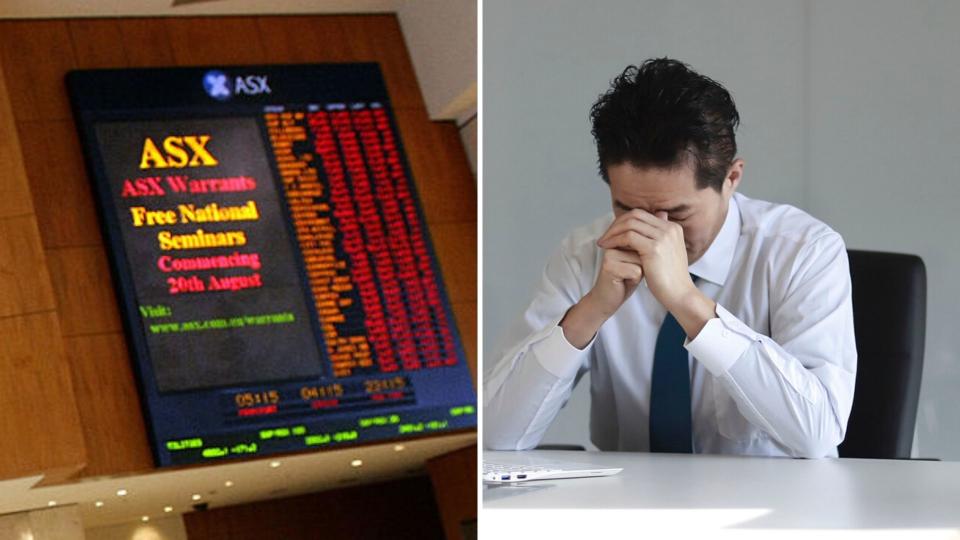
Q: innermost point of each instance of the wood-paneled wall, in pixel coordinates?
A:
(39, 419)
(58, 310)
(401, 509)
(454, 478)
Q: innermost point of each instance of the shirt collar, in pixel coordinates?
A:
(715, 264)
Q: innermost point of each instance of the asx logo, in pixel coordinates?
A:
(222, 87)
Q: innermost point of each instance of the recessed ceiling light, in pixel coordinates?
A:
(196, 497)
(98, 504)
(168, 509)
(145, 518)
(121, 493)
(52, 503)
(398, 447)
(274, 464)
(228, 483)
(356, 463)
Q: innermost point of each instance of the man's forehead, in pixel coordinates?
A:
(669, 207)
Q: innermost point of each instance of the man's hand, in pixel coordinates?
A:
(620, 273)
(663, 256)
(659, 244)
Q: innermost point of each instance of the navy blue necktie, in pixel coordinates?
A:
(671, 425)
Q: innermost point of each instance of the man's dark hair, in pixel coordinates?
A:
(663, 114)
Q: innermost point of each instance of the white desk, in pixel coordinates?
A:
(921, 498)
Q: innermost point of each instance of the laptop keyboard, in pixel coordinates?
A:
(507, 471)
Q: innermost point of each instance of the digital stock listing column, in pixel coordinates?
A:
(363, 240)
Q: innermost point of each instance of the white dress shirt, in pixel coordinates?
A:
(773, 374)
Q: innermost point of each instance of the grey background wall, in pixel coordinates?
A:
(848, 111)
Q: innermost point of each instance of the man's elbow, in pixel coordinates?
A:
(500, 434)
(820, 445)
(817, 449)
(494, 443)
(495, 437)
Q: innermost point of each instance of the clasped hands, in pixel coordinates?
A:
(640, 245)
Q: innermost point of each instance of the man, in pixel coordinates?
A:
(709, 322)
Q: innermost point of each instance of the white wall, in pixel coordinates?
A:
(58, 523)
(441, 36)
(171, 528)
(848, 110)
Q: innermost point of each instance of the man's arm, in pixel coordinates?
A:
(797, 385)
(532, 377)
(620, 274)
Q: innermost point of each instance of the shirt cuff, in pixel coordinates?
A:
(721, 342)
(558, 356)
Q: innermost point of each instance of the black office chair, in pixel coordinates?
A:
(889, 313)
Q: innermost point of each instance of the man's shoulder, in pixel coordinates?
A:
(766, 221)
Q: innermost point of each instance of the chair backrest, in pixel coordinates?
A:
(889, 311)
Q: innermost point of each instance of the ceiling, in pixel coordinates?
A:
(148, 494)
(10, 9)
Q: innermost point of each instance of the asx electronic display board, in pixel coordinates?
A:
(273, 265)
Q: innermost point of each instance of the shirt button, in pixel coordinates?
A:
(725, 333)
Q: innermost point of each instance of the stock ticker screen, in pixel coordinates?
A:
(272, 262)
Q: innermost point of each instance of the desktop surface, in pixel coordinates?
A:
(747, 492)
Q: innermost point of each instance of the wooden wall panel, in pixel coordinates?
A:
(304, 39)
(95, 43)
(24, 280)
(113, 426)
(79, 277)
(14, 189)
(35, 56)
(402, 509)
(134, 33)
(456, 247)
(454, 481)
(39, 423)
(62, 193)
(439, 167)
(221, 40)
(466, 315)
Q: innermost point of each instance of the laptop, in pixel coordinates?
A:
(520, 468)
